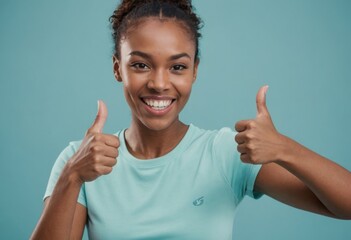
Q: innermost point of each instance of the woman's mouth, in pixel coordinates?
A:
(158, 106)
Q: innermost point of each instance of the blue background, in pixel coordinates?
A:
(55, 62)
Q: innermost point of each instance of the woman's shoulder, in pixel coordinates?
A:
(215, 133)
(223, 137)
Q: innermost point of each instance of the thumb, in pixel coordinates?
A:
(100, 119)
(261, 101)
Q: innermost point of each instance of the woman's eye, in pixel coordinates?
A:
(140, 66)
(178, 67)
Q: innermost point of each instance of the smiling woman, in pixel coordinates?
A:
(163, 178)
(157, 65)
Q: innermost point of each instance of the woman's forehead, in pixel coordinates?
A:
(158, 35)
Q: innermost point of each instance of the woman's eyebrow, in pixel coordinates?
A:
(148, 56)
(140, 54)
(180, 55)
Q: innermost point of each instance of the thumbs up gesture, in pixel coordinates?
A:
(258, 140)
(98, 152)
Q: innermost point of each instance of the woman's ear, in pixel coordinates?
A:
(196, 65)
(116, 69)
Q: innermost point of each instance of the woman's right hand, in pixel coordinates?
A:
(97, 153)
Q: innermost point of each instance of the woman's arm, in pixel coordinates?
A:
(291, 173)
(96, 156)
(317, 193)
(62, 217)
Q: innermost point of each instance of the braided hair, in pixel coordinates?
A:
(130, 12)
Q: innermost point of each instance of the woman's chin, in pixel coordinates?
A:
(160, 124)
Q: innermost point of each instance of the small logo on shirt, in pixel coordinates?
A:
(199, 201)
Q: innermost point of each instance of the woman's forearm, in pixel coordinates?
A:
(57, 217)
(260, 143)
(330, 182)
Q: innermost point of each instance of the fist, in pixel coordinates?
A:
(97, 154)
(258, 140)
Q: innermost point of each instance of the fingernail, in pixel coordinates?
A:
(266, 89)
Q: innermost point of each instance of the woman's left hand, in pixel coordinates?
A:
(300, 178)
(258, 140)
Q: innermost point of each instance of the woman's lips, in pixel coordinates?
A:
(158, 105)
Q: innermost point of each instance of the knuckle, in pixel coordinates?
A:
(108, 170)
(250, 135)
(254, 159)
(250, 146)
(96, 169)
(112, 140)
(95, 148)
(97, 137)
(96, 158)
(251, 124)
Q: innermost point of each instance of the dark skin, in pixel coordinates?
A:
(290, 172)
(164, 68)
(157, 68)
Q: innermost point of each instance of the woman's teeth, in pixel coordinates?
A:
(158, 104)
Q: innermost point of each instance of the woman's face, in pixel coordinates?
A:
(157, 69)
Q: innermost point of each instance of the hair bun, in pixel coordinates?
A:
(129, 11)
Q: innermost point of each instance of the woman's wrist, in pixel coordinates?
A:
(71, 176)
(289, 152)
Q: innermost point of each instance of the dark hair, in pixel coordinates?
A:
(130, 12)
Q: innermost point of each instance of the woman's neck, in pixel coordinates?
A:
(145, 143)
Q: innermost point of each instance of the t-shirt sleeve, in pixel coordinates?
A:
(61, 161)
(240, 176)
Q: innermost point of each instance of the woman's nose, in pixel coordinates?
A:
(159, 81)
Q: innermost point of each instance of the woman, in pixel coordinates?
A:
(173, 180)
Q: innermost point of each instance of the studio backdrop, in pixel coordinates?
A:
(56, 62)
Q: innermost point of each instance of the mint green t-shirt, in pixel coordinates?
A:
(190, 193)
